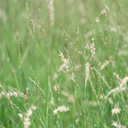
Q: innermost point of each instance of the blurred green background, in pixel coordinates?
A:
(29, 48)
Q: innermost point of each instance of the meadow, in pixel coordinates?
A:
(63, 64)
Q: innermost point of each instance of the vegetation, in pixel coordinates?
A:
(63, 64)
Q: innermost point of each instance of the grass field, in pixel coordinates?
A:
(63, 64)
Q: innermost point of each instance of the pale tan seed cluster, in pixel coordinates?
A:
(115, 110)
(117, 125)
(9, 94)
(87, 72)
(64, 67)
(26, 117)
(121, 87)
(123, 82)
(51, 12)
(103, 12)
(60, 109)
(104, 64)
(72, 77)
(70, 97)
(13, 93)
(93, 49)
(116, 90)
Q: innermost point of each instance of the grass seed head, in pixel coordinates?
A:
(60, 109)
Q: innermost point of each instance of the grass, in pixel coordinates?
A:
(63, 64)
